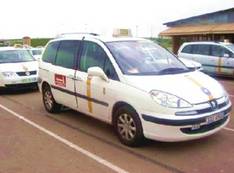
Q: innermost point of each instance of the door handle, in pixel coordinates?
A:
(79, 79)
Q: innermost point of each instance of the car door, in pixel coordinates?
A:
(201, 54)
(63, 71)
(222, 63)
(227, 63)
(95, 95)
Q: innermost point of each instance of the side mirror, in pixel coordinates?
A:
(98, 72)
(226, 55)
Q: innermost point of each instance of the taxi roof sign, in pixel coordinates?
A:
(122, 33)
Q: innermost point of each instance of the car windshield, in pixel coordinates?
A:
(231, 46)
(144, 58)
(14, 56)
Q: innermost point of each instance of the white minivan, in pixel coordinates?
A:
(216, 57)
(134, 84)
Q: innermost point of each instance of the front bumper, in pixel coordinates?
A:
(184, 128)
(20, 82)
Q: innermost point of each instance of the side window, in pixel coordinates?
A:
(66, 53)
(187, 49)
(201, 49)
(50, 52)
(219, 51)
(93, 55)
(204, 49)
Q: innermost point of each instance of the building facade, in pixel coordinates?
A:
(216, 26)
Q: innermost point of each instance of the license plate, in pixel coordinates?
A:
(214, 118)
(29, 80)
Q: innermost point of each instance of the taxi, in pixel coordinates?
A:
(18, 69)
(217, 58)
(135, 85)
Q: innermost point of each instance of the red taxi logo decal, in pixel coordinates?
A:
(60, 80)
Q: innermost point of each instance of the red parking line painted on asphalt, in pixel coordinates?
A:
(66, 142)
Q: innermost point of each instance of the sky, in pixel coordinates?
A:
(48, 18)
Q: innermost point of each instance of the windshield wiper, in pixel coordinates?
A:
(173, 70)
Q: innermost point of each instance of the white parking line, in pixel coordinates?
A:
(229, 129)
(68, 143)
(231, 95)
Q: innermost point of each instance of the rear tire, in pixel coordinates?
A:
(49, 102)
(128, 126)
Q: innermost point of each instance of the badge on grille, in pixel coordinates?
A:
(27, 73)
(214, 104)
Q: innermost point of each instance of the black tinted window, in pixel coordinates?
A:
(93, 55)
(66, 53)
(201, 49)
(219, 51)
(50, 52)
(187, 49)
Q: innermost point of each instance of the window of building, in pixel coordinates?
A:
(66, 53)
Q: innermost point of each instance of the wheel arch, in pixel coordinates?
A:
(118, 105)
(44, 84)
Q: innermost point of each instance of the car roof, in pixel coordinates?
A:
(208, 42)
(74, 36)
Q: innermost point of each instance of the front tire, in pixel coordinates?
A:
(128, 126)
(49, 102)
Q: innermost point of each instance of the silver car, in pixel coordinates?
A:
(216, 57)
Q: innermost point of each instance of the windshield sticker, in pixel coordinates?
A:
(60, 80)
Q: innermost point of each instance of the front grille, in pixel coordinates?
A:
(25, 73)
(204, 128)
(203, 111)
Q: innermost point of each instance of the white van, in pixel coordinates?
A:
(216, 57)
(135, 85)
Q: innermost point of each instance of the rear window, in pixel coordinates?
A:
(187, 49)
(50, 52)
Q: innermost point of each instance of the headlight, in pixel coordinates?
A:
(8, 74)
(169, 100)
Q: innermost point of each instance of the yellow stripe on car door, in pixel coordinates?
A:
(218, 68)
(90, 105)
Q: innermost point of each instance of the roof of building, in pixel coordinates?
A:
(199, 29)
(198, 16)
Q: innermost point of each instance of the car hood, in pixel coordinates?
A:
(190, 63)
(188, 86)
(19, 67)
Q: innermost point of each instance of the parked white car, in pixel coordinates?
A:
(134, 84)
(216, 57)
(18, 69)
